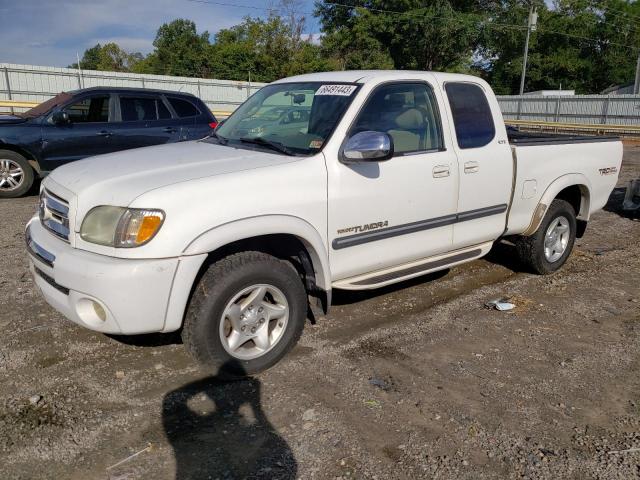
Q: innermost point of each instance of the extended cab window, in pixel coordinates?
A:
(405, 111)
(142, 108)
(183, 108)
(471, 114)
(89, 110)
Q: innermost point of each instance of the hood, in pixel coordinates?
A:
(118, 178)
(8, 119)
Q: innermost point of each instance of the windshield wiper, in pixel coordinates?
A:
(277, 146)
(221, 140)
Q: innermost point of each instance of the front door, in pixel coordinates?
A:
(87, 133)
(383, 214)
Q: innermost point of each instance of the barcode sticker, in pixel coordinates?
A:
(342, 90)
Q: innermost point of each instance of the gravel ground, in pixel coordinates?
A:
(414, 381)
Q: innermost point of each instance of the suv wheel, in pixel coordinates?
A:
(16, 175)
(246, 313)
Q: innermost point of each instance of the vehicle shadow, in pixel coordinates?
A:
(218, 429)
(503, 253)
(148, 339)
(614, 204)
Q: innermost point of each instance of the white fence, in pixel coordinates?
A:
(581, 109)
(29, 83)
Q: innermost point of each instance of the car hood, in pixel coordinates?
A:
(9, 119)
(118, 178)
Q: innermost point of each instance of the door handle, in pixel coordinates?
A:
(440, 171)
(471, 167)
(170, 130)
(104, 133)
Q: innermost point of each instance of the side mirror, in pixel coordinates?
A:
(60, 118)
(368, 146)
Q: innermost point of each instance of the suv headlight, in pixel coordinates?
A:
(121, 227)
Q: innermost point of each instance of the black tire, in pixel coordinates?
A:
(217, 287)
(26, 180)
(531, 249)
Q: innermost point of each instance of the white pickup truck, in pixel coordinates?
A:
(340, 180)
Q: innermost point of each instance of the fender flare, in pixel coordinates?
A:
(552, 191)
(30, 157)
(210, 240)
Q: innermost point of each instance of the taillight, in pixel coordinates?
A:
(213, 125)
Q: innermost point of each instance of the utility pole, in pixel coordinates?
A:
(531, 27)
(636, 84)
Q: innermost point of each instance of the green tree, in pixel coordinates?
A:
(265, 49)
(578, 44)
(90, 59)
(180, 50)
(403, 34)
(108, 57)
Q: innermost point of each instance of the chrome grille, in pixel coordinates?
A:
(54, 214)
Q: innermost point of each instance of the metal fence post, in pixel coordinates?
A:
(142, 80)
(605, 110)
(6, 79)
(519, 107)
(557, 113)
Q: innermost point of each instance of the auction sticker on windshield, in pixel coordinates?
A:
(343, 90)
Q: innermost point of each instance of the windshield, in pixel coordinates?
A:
(47, 106)
(298, 118)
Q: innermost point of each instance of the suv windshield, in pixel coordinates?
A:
(295, 118)
(47, 106)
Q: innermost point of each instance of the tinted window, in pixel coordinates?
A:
(89, 110)
(471, 114)
(163, 111)
(183, 108)
(138, 108)
(407, 112)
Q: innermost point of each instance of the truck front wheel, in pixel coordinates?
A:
(247, 311)
(549, 248)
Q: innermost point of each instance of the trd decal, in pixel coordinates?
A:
(364, 228)
(608, 170)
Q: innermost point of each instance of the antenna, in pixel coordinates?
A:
(79, 71)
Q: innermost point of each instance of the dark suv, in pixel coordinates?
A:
(92, 121)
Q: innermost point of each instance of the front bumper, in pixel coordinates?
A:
(133, 295)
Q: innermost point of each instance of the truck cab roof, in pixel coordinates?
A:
(365, 76)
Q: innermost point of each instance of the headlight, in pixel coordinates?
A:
(121, 227)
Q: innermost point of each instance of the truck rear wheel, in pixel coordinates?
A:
(246, 313)
(16, 175)
(549, 248)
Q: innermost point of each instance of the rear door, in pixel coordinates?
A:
(145, 120)
(194, 122)
(89, 131)
(485, 167)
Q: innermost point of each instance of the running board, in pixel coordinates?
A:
(381, 278)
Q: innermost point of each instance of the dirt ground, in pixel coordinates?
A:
(414, 381)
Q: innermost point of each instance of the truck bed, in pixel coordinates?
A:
(558, 161)
(519, 138)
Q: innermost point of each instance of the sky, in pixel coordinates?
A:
(40, 32)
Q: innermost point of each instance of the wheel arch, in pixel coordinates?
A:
(31, 158)
(574, 188)
(280, 235)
